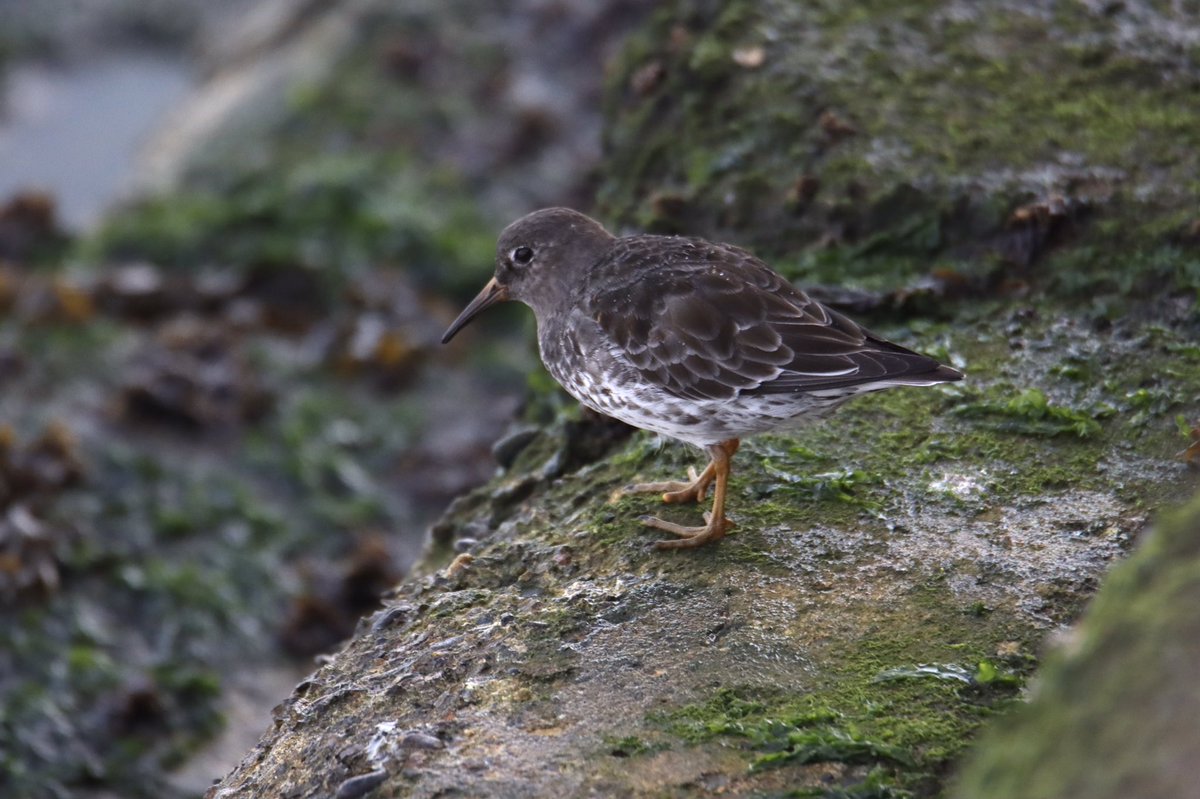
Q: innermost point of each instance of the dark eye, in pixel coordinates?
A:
(522, 255)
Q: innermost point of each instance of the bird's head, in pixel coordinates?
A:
(540, 258)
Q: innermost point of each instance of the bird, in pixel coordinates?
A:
(690, 339)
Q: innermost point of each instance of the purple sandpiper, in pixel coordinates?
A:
(698, 341)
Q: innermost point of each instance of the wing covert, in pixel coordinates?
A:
(708, 321)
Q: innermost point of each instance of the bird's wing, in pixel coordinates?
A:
(710, 321)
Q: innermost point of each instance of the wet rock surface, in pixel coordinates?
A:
(563, 655)
(1130, 731)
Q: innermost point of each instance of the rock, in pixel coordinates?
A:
(1113, 713)
(506, 450)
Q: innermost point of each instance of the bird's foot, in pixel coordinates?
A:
(712, 531)
(676, 491)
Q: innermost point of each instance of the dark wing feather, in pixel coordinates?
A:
(710, 321)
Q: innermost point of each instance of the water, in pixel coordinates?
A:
(74, 131)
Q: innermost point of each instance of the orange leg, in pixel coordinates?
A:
(716, 525)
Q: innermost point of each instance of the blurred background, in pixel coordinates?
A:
(230, 237)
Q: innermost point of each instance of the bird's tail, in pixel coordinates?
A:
(942, 374)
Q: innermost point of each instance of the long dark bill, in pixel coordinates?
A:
(491, 294)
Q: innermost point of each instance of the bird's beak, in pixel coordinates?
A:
(491, 294)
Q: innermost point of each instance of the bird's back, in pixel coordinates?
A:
(711, 321)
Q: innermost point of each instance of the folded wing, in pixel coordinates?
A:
(708, 321)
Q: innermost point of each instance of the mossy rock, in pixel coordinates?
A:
(865, 144)
(1114, 710)
(894, 570)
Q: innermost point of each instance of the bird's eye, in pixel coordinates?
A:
(522, 255)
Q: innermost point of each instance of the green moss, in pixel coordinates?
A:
(829, 746)
(870, 706)
(334, 214)
(791, 732)
(1031, 413)
(723, 713)
(926, 103)
(628, 746)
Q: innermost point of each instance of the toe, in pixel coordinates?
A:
(704, 535)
